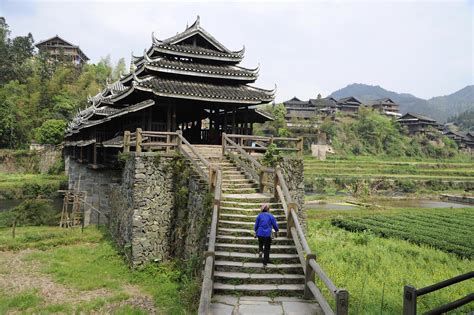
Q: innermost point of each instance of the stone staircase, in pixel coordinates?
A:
(239, 274)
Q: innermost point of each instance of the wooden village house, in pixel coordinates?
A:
(189, 82)
(416, 123)
(60, 49)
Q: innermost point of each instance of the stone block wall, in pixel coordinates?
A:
(97, 184)
(161, 209)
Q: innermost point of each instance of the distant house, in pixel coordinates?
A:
(417, 123)
(296, 108)
(326, 106)
(348, 105)
(60, 49)
(465, 142)
(385, 106)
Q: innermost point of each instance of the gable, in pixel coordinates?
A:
(198, 40)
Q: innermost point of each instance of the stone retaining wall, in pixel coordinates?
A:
(161, 210)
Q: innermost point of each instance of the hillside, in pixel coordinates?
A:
(439, 108)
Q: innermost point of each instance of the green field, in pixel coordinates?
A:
(19, 186)
(53, 270)
(448, 230)
(428, 175)
(374, 269)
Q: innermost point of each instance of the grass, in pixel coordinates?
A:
(373, 268)
(88, 261)
(16, 180)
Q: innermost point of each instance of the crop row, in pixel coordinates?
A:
(382, 170)
(457, 240)
(454, 235)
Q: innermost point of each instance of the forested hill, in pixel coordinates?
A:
(440, 108)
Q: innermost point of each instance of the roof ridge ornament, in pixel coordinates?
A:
(154, 40)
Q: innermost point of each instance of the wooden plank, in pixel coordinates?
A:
(199, 156)
(299, 249)
(158, 144)
(297, 224)
(206, 290)
(159, 133)
(324, 278)
(320, 298)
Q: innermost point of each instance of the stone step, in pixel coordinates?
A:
(257, 267)
(277, 249)
(253, 257)
(252, 205)
(280, 240)
(249, 211)
(260, 289)
(232, 277)
(245, 184)
(246, 217)
(238, 180)
(244, 232)
(230, 190)
(255, 198)
(244, 223)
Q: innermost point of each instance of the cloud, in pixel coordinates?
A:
(424, 48)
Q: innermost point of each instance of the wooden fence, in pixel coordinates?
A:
(306, 257)
(208, 274)
(251, 143)
(167, 141)
(411, 294)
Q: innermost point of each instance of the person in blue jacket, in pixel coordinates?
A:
(263, 230)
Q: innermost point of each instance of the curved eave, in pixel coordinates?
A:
(198, 55)
(190, 96)
(204, 74)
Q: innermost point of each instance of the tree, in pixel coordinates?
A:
(120, 68)
(51, 131)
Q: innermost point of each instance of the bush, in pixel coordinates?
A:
(34, 212)
(51, 131)
(406, 185)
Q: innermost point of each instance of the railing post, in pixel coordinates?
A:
(139, 139)
(342, 302)
(300, 146)
(276, 181)
(409, 300)
(308, 276)
(178, 140)
(261, 179)
(223, 143)
(126, 141)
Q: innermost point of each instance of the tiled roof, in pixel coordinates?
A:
(417, 116)
(197, 52)
(206, 91)
(195, 68)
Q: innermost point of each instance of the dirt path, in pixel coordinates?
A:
(18, 274)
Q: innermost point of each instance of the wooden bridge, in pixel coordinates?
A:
(233, 277)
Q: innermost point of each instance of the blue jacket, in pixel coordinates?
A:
(264, 223)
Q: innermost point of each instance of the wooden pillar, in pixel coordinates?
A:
(81, 153)
(225, 121)
(94, 152)
(173, 118)
(150, 117)
(168, 118)
(234, 113)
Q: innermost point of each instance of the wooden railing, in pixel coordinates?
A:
(251, 143)
(410, 295)
(256, 170)
(307, 258)
(208, 274)
(163, 140)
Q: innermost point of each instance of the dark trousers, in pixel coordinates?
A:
(264, 243)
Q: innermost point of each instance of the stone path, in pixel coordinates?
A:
(262, 305)
(238, 270)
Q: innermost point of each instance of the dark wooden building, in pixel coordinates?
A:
(60, 49)
(189, 82)
(349, 105)
(417, 123)
(386, 106)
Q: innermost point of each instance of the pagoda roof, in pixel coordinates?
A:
(351, 100)
(187, 89)
(201, 69)
(196, 52)
(381, 101)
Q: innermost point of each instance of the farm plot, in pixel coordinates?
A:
(447, 230)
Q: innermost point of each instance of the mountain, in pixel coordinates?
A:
(440, 108)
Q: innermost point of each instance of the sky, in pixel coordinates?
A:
(425, 48)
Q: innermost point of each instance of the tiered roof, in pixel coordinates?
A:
(191, 65)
